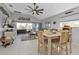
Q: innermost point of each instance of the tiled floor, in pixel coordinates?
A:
(27, 48)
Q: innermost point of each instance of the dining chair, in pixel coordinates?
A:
(8, 34)
(63, 41)
(41, 42)
(70, 36)
(70, 40)
(8, 38)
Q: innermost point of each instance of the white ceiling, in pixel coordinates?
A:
(50, 9)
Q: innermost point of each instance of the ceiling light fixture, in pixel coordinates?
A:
(35, 9)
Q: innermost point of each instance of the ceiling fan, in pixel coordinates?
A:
(35, 9)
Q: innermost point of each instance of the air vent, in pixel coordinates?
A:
(17, 11)
(69, 12)
(69, 15)
(24, 18)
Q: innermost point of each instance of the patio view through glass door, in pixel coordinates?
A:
(28, 26)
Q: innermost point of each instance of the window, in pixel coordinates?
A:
(27, 26)
(47, 25)
(71, 23)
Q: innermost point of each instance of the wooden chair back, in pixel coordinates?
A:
(40, 36)
(64, 36)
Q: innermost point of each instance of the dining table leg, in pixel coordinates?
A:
(49, 46)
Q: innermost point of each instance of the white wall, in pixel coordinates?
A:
(75, 35)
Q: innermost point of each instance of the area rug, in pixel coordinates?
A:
(27, 37)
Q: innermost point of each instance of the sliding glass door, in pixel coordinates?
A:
(29, 26)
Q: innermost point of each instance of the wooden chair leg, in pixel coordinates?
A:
(70, 45)
(38, 47)
(43, 49)
(59, 50)
(70, 48)
(66, 49)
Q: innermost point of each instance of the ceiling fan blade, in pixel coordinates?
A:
(32, 13)
(37, 7)
(30, 7)
(37, 13)
(41, 12)
(34, 3)
(40, 9)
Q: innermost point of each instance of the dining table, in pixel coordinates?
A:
(49, 36)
